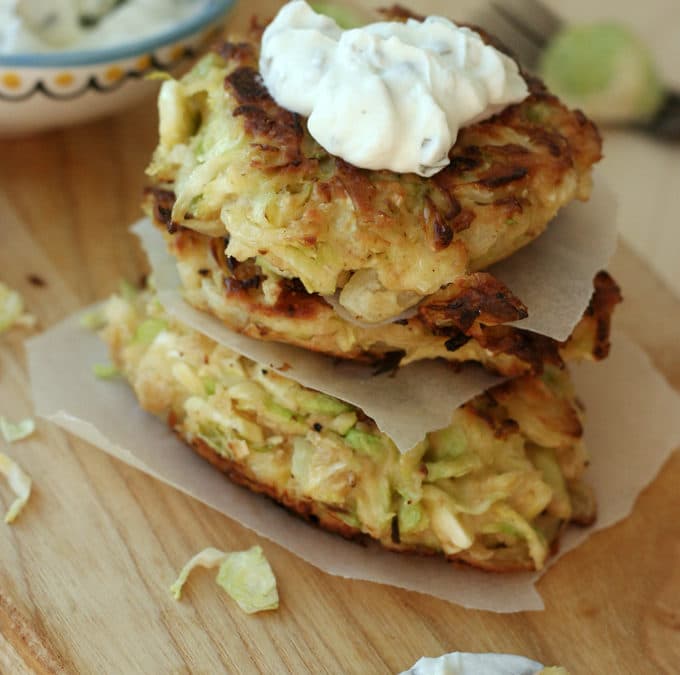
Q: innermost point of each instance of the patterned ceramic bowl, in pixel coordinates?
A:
(42, 91)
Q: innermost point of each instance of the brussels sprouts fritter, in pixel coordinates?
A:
(463, 322)
(494, 489)
(242, 166)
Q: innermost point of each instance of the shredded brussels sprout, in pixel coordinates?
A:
(105, 371)
(19, 481)
(94, 320)
(245, 576)
(12, 309)
(16, 431)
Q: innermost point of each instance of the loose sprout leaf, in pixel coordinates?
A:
(246, 576)
(12, 309)
(128, 290)
(19, 481)
(148, 330)
(345, 17)
(158, 75)
(12, 432)
(208, 557)
(105, 371)
(93, 320)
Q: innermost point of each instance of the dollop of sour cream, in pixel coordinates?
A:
(37, 26)
(388, 95)
(463, 663)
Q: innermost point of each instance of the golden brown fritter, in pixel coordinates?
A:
(241, 165)
(463, 322)
(493, 489)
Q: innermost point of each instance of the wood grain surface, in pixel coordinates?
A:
(84, 571)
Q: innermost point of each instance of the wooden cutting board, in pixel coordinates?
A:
(84, 570)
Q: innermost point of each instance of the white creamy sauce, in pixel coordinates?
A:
(388, 95)
(462, 663)
(35, 26)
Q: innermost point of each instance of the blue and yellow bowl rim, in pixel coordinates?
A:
(210, 13)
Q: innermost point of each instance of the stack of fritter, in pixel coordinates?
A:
(269, 229)
(283, 241)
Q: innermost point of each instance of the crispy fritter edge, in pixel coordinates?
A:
(476, 306)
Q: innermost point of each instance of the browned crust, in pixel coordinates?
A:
(279, 131)
(554, 412)
(505, 168)
(607, 295)
(595, 327)
(475, 299)
(162, 201)
(531, 348)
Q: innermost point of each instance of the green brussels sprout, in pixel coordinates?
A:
(606, 70)
(345, 17)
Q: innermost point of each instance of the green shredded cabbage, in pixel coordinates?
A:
(448, 443)
(158, 75)
(94, 320)
(245, 576)
(279, 410)
(128, 291)
(345, 17)
(410, 516)
(208, 557)
(317, 403)
(446, 523)
(248, 578)
(452, 468)
(12, 432)
(105, 371)
(508, 521)
(148, 330)
(545, 461)
(210, 385)
(343, 422)
(19, 481)
(12, 309)
(362, 441)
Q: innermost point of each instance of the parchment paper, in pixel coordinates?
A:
(553, 276)
(632, 426)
